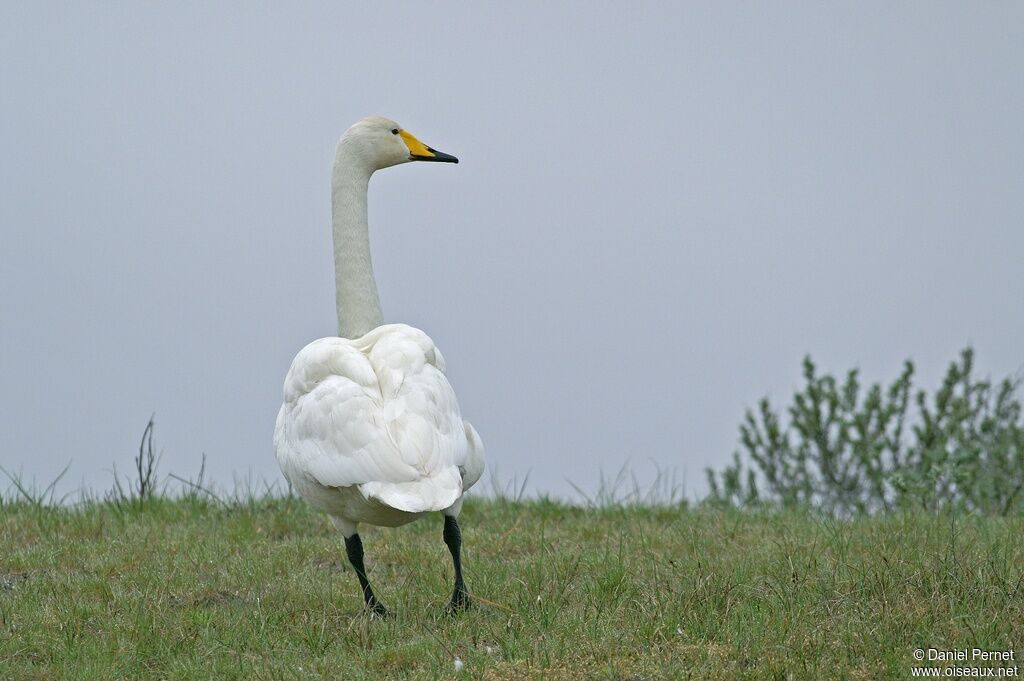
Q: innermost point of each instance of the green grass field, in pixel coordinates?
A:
(187, 589)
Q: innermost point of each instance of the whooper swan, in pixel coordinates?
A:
(370, 430)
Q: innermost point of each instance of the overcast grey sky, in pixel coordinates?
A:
(659, 209)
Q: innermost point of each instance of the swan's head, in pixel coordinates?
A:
(381, 143)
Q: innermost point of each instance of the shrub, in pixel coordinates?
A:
(849, 451)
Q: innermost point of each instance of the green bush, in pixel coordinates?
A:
(848, 451)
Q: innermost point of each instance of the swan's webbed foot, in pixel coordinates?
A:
(453, 539)
(459, 602)
(377, 611)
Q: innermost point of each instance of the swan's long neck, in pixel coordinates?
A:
(358, 304)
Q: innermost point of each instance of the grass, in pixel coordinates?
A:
(188, 588)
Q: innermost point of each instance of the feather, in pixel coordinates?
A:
(375, 416)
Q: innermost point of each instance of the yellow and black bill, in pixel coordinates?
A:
(418, 151)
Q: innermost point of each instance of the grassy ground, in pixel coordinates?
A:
(185, 589)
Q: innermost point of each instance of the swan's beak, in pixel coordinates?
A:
(418, 151)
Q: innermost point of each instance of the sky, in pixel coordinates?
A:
(660, 209)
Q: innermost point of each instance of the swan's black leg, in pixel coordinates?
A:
(354, 549)
(453, 538)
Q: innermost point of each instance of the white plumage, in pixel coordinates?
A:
(370, 430)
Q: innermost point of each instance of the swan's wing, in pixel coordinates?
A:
(377, 412)
(330, 427)
(473, 467)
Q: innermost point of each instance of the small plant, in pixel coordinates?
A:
(29, 492)
(849, 451)
(144, 487)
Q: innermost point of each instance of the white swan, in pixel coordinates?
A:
(370, 430)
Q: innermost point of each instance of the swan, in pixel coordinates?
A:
(370, 430)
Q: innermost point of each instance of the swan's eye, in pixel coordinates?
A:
(395, 131)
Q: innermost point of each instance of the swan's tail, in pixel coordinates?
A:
(435, 493)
